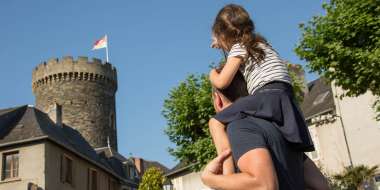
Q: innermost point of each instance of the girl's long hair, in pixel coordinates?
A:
(233, 25)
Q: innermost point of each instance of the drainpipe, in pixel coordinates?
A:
(343, 128)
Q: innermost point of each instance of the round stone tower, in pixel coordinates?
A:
(84, 92)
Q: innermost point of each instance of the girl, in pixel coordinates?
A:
(268, 82)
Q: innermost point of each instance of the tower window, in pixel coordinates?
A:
(112, 121)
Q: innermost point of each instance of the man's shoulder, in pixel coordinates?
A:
(253, 125)
(246, 124)
(251, 122)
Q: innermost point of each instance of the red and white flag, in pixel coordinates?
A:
(99, 44)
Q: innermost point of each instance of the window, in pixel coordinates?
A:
(112, 121)
(92, 181)
(377, 181)
(66, 169)
(320, 98)
(131, 172)
(315, 155)
(10, 165)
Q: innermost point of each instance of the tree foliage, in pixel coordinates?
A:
(296, 73)
(152, 179)
(354, 177)
(344, 45)
(187, 111)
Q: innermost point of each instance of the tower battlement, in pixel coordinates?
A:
(69, 69)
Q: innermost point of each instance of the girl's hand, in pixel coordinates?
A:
(224, 78)
(215, 166)
(213, 75)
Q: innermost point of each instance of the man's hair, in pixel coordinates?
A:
(237, 88)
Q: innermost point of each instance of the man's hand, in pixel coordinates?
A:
(257, 172)
(215, 166)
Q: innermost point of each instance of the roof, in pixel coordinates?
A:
(181, 167)
(319, 99)
(149, 163)
(146, 164)
(26, 124)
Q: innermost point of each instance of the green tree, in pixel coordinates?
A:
(296, 72)
(152, 179)
(354, 177)
(188, 110)
(344, 45)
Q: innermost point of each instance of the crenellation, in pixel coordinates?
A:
(82, 59)
(96, 61)
(67, 59)
(51, 61)
(54, 69)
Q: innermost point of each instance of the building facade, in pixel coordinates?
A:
(68, 140)
(344, 130)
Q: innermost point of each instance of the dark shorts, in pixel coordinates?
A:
(274, 102)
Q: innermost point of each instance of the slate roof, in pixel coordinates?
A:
(319, 99)
(149, 163)
(24, 123)
(116, 160)
(181, 167)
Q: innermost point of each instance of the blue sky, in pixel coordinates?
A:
(153, 44)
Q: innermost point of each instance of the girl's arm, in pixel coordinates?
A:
(220, 138)
(223, 79)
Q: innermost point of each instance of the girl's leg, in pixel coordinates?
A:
(219, 136)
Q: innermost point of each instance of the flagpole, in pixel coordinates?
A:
(107, 54)
(107, 49)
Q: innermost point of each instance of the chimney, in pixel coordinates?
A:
(58, 117)
(139, 164)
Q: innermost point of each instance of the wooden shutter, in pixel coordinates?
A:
(62, 176)
(88, 178)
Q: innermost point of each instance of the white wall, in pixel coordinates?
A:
(191, 181)
(363, 131)
(31, 167)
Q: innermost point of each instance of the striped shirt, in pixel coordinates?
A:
(256, 75)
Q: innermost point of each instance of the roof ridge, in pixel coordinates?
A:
(11, 109)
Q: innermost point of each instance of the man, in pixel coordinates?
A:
(262, 156)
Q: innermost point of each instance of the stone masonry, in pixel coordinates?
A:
(86, 92)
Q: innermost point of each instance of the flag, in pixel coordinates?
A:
(99, 44)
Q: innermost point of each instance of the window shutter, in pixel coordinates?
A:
(88, 178)
(72, 174)
(61, 170)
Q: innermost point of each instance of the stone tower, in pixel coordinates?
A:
(83, 92)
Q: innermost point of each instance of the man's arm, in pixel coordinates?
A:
(314, 179)
(257, 172)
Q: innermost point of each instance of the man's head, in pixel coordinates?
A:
(222, 98)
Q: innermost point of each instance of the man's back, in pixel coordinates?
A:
(250, 133)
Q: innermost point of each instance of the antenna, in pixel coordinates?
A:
(108, 142)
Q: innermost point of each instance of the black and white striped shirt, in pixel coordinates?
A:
(271, 68)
